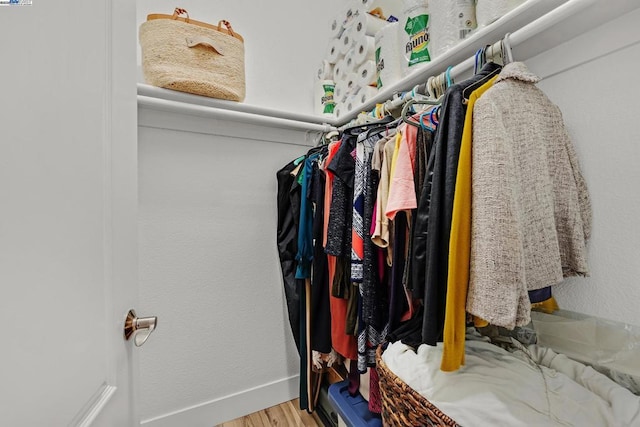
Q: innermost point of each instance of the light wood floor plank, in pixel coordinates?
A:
(286, 414)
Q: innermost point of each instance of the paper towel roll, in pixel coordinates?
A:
(390, 8)
(388, 56)
(367, 73)
(366, 93)
(364, 50)
(333, 51)
(367, 24)
(450, 23)
(414, 34)
(488, 11)
(325, 71)
(324, 97)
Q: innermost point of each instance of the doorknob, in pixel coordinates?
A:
(139, 327)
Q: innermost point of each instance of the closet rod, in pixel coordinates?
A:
(231, 115)
(563, 12)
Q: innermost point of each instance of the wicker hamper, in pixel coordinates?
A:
(402, 406)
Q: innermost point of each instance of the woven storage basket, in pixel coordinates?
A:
(402, 406)
(192, 56)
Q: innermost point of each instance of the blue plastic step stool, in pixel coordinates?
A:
(353, 410)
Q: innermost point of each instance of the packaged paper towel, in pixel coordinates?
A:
(388, 57)
(414, 37)
(323, 99)
(451, 22)
(488, 11)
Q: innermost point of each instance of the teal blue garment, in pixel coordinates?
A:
(304, 257)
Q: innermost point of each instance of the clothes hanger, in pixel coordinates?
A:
(420, 99)
(466, 92)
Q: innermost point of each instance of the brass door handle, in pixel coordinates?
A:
(139, 327)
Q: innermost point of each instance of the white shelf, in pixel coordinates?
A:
(536, 26)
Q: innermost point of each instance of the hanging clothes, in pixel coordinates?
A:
(288, 203)
(320, 306)
(527, 184)
(433, 225)
(460, 247)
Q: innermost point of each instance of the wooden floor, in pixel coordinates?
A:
(286, 414)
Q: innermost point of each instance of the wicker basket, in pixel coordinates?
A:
(402, 406)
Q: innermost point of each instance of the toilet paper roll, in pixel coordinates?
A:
(346, 42)
(414, 38)
(367, 74)
(325, 71)
(324, 102)
(340, 92)
(366, 93)
(450, 23)
(333, 51)
(365, 50)
(488, 11)
(352, 83)
(367, 24)
(350, 65)
(339, 71)
(388, 56)
(352, 103)
(390, 8)
(336, 27)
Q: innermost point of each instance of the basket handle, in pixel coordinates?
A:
(179, 11)
(228, 25)
(206, 41)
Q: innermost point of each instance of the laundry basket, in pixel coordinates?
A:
(402, 406)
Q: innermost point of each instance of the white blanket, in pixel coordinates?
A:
(534, 387)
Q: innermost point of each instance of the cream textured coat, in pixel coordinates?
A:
(531, 214)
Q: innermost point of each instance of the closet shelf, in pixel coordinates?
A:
(536, 26)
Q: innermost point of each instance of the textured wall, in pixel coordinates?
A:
(594, 81)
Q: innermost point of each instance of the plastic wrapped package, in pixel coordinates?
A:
(612, 348)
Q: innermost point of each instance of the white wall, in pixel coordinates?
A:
(209, 270)
(593, 79)
(285, 41)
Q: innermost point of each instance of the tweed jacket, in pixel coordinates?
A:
(531, 213)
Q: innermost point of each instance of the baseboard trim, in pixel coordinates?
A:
(229, 407)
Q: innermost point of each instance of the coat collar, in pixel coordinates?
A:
(517, 71)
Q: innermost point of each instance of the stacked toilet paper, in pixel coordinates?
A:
(350, 60)
(375, 43)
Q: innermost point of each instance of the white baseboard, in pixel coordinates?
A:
(214, 412)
